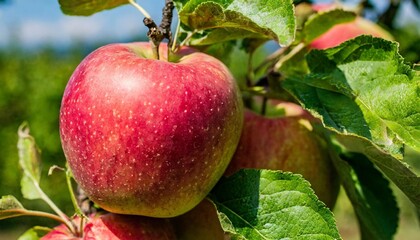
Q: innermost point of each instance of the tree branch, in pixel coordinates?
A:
(156, 34)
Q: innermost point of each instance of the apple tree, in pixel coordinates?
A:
(310, 97)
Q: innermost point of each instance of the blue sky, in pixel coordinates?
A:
(35, 22)
(38, 22)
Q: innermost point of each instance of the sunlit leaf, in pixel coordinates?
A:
(34, 233)
(226, 20)
(88, 7)
(29, 161)
(363, 88)
(264, 204)
(10, 207)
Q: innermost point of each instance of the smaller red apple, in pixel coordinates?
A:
(287, 143)
(117, 227)
(62, 232)
(201, 223)
(346, 31)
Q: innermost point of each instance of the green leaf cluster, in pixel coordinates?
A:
(209, 22)
(368, 100)
(363, 79)
(30, 163)
(223, 20)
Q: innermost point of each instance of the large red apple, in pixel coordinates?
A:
(287, 143)
(149, 137)
(346, 31)
(117, 227)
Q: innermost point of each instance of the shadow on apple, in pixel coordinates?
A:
(287, 143)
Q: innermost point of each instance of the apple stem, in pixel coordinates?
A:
(156, 34)
(76, 206)
(81, 226)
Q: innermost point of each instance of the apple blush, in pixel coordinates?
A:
(111, 226)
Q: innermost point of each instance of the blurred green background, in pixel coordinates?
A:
(31, 85)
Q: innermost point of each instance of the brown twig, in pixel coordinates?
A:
(165, 25)
(156, 34)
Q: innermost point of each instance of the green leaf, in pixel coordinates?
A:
(223, 34)
(397, 171)
(264, 204)
(88, 7)
(231, 19)
(29, 161)
(28, 189)
(10, 207)
(369, 192)
(321, 22)
(363, 88)
(34, 233)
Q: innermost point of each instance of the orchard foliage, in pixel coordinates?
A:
(365, 94)
(31, 91)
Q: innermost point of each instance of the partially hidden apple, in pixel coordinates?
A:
(145, 136)
(111, 226)
(201, 222)
(287, 143)
(346, 31)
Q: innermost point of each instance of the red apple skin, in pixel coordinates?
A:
(59, 233)
(149, 137)
(118, 227)
(346, 31)
(125, 227)
(287, 144)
